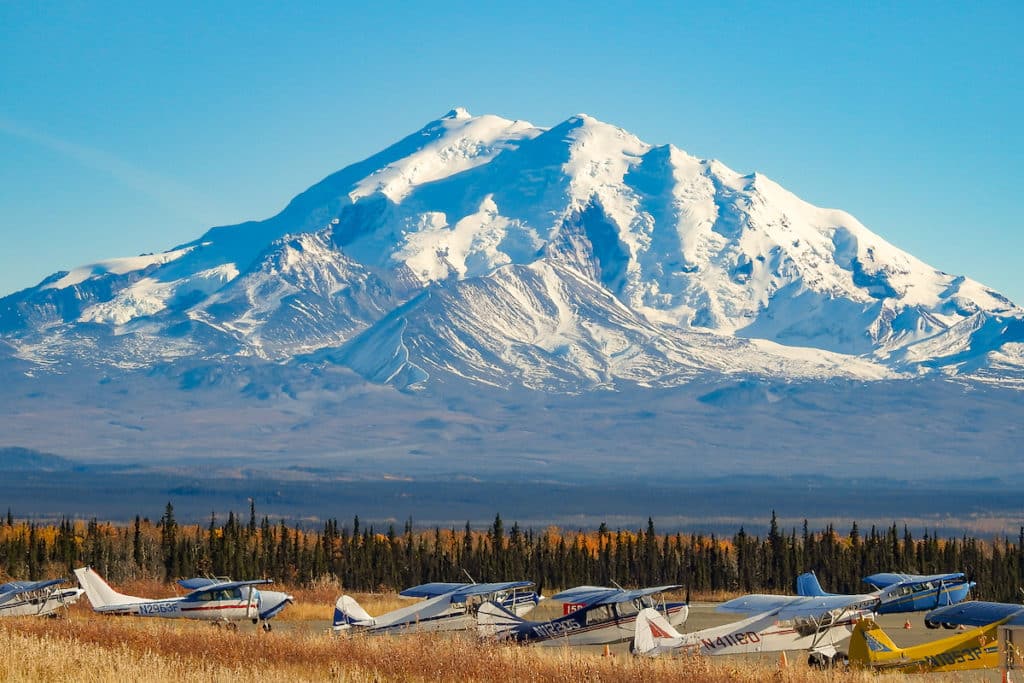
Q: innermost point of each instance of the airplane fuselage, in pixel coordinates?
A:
(977, 648)
(234, 609)
(419, 618)
(35, 604)
(917, 599)
(763, 632)
(596, 625)
(765, 635)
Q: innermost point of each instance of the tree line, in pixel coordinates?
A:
(365, 557)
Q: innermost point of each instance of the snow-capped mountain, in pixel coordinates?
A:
(566, 259)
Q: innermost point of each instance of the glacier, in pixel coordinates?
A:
(572, 258)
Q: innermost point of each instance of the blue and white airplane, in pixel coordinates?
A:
(35, 598)
(222, 602)
(595, 615)
(448, 607)
(903, 592)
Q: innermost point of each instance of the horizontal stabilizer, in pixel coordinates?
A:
(494, 620)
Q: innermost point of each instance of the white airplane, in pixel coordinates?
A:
(817, 624)
(595, 615)
(448, 607)
(222, 602)
(35, 598)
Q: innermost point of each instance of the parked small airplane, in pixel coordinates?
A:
(271, 602)
(977, 613)
(448, 607)
(978, 648)
(223, 602)
(778, 622)
(35, 598)
(601, 615)
(1010, 626)
(903, 592)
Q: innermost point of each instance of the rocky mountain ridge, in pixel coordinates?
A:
(565, 259)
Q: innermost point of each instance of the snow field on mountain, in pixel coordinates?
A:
(570, 258)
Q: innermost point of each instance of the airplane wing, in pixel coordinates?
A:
(461, 591)
(421, 611)
(795, 607)
(819, 605)
(629, 596)
(226, 585)
(487, 588)
(755, 604)
(597, 595)
(583, 594)
(9, 590)
(432, 590)
(198, 582)
(886, 579)
(977, 613)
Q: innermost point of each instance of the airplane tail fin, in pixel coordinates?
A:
(867, 642)
(493, 620)
(653, 633)
(100, 594)
(807, 585)
(348, 612)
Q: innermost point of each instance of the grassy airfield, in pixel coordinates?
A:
(83, 646)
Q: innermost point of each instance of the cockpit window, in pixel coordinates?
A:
(626, 609)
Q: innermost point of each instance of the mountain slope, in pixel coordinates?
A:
(565, 259)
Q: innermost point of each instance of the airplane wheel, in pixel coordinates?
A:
(267, 626)
(217, 624)
(232, 626)
(931, 624)
(818, 661)
(948, 626)
(841, 660)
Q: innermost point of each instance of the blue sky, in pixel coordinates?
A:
(129, 128)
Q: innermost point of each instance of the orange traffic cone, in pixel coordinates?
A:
(783, 662)
(607, 652)
(906, 624)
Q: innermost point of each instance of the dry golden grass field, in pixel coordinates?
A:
(83, 646)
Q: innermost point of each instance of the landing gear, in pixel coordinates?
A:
(266, 627)
(231, 626)
(820, 660)
(817, 660)
(931, 624)
(948, 626)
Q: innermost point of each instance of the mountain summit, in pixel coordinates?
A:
(564, 259)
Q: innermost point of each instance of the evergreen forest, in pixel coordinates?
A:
(362, 557)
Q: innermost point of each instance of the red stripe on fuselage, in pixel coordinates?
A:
(216, 607)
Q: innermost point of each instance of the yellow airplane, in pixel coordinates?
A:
(978, 648)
